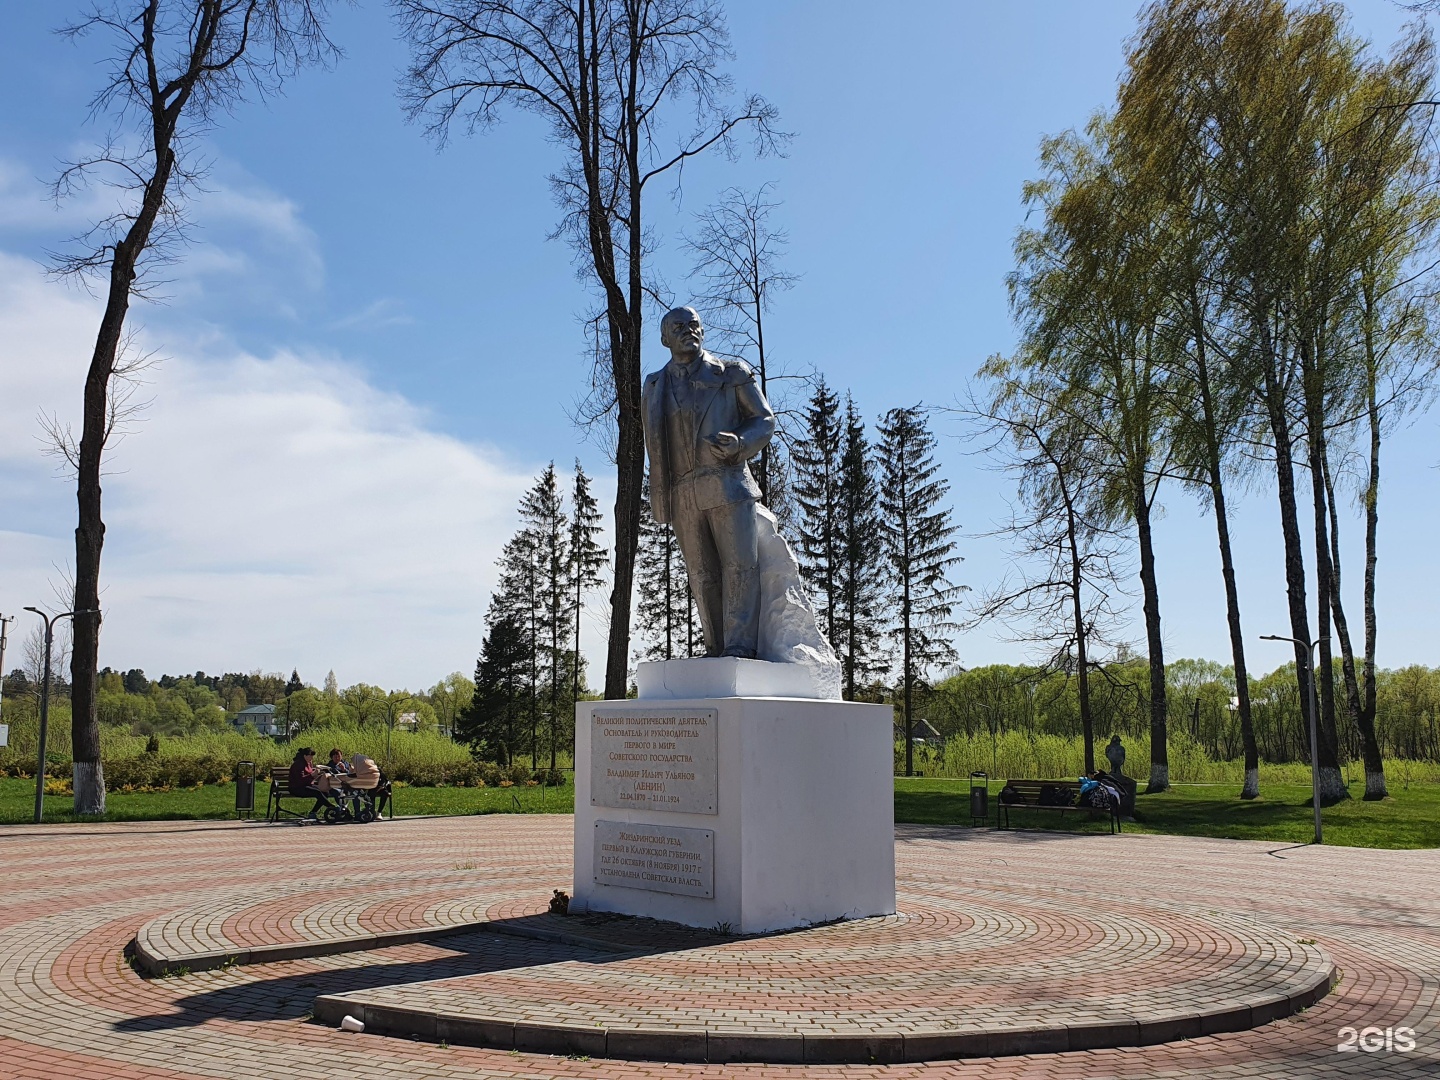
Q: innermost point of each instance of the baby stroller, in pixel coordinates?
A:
(359, 796)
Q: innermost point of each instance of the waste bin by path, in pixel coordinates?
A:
(245, 789)
(979, 798)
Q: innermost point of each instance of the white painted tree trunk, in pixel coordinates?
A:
(1332, 785)
(1375, 785)
(88, 780)
(1251, 790)
(1159, 778)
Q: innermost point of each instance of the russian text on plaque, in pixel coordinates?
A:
(658, 858)
(655, 759)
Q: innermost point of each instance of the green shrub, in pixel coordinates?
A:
(518, 773)
(490, 774)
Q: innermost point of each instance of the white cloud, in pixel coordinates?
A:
(275, 512)
(250, 246)
(254, 236)
(375, 315)
(26, 204)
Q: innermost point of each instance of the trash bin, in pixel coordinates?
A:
(979, 798)
(245, 789)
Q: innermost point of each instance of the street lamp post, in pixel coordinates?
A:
(5, 621)
(1314, 710)
(50, 621)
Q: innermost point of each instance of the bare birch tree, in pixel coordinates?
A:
(176, 68)
(604, 74)
(738, 256)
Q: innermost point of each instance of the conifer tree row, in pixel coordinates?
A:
(530, 670)
(875, 544)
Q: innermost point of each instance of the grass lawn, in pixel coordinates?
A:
(17, 802)
(1408, 819)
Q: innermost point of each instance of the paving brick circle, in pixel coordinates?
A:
(962, 970)
(72, 897)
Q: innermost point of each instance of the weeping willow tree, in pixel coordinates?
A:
(1296, 179)
(1231, 273)
(1091, 341)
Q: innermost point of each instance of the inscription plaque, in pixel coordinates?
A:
(655, 759)
(655, 857)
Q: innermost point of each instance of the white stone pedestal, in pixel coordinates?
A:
(722, 676)
(760, 813)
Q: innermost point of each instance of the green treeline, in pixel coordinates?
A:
(1034, 702)
(181, 730)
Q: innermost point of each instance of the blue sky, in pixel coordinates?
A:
(371, 347)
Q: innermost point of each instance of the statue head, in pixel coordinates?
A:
(682, 333)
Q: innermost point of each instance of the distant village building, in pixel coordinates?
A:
(260, 717)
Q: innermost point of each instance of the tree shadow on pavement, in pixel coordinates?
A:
(278, 991)
(1020, 832)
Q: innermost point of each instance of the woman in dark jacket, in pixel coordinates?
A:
(304, 779)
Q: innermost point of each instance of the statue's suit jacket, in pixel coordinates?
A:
(730, 401)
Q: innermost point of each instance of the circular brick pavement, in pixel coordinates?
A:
(72, 897)
(963, 970)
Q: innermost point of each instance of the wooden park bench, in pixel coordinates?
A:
(279, 791)
(1061, 795)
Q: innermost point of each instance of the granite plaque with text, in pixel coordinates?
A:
(655, 857)
(655, 759)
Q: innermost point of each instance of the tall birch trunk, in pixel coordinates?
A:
(1250, 789)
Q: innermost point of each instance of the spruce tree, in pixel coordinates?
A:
(488, 725)
(861, 577)
(587, 558)
(667, 619)
(518, 599)
(780, 495)
(917, 535)
(816, 491)
(542, 512)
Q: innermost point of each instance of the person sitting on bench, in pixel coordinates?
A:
(304, 780)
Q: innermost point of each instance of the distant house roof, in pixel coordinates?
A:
(257, 711)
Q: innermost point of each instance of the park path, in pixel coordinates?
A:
(71, 897)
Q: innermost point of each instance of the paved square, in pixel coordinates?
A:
(70, 1005)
